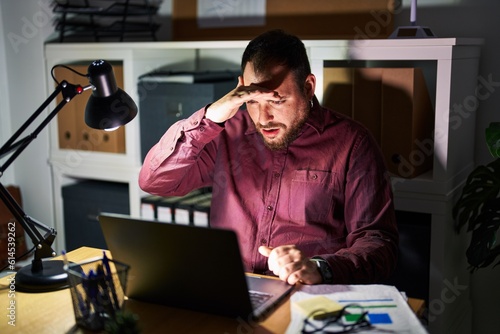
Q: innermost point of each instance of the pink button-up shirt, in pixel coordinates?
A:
(328, 193)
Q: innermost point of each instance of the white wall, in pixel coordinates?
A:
(25, 25)
(5, 126)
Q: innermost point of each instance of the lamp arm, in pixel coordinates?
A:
(9, 144)
(69, 91)
(43, 243)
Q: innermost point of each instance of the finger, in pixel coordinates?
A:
(308, 274)
(283, 250)
(281, 256)
(295, 278)
(291, 273)
(271, 261)
(246, 93)
(264, 250)
(285, 271)
(289, 254)
(288, 263)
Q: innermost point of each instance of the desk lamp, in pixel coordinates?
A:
(108, 107)
(413, 30)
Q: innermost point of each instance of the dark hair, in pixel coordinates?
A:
(277, 47)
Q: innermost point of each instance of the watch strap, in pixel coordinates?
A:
(324, 269)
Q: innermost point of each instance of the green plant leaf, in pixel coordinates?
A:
(493, 139)
(482, 184)
(124, 322)
(482, 251)
(479, 206)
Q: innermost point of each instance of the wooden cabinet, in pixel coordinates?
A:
(450, 68)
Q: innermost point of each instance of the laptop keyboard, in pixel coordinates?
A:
(258, 298)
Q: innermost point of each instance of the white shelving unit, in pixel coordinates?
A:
(456, 68)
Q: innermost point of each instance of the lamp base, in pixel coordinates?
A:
(412, 32)
(51, 277)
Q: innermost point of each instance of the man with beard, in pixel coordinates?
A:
(304, 188)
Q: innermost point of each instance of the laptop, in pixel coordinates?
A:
(190, 267)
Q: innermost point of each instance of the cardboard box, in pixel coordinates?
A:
(367, 99)
(338, 89)
(407, 122)
(312, 19)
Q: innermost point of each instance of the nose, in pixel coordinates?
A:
(265, 113)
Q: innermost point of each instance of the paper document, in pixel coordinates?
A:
(231, 13)
(387, 310)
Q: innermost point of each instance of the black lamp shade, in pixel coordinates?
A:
(109, 106)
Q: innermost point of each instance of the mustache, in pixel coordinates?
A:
(271, 125)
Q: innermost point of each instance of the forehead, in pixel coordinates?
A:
(272, 77)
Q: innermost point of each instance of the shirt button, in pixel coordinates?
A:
(314, 177)
(263, 241)
(202, 128)
(276, 175)
(269, 208)
(195, 122)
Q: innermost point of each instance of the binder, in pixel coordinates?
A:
(166, 207)
(149, 207)
(184, 209)
(201, 213)
(170, 210)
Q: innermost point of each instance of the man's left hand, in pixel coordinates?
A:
(290, 265)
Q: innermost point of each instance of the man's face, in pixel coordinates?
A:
(279, 122)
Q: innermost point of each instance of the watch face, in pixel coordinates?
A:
(325, 270)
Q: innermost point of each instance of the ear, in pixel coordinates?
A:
(310, 86)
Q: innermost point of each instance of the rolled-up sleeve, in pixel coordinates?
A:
(185, 152)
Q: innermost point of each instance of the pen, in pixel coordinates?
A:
(96, 318)
(81, 305)
(104, 290)
(109, 278)
(65, 259)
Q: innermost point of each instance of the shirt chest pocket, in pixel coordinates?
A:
(311, 197)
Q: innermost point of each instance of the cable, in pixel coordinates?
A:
(19, 258)
(66, 67)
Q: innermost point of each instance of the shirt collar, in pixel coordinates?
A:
(316, 118)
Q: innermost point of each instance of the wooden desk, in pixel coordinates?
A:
(52, 312)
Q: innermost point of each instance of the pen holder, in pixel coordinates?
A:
(97, 290)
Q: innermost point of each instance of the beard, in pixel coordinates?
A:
(289, 133)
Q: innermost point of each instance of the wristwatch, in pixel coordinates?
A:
(324, 269)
